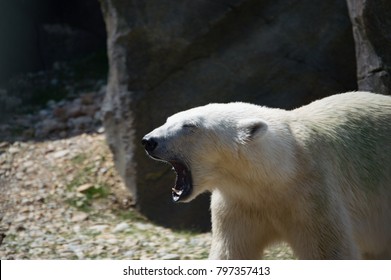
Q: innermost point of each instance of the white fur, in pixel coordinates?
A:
(318, 177)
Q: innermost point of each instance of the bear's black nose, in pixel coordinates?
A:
(149, 144)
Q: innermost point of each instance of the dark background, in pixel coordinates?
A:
(37, 33)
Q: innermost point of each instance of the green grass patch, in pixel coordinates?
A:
(85, 175)
(79, 159)
(130, 215)
(84, 200)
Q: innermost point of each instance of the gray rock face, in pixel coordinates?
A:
(166, 56)
(371, 22)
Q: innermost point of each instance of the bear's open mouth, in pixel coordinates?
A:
(183, 182)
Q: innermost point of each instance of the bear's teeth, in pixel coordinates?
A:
(178, 192)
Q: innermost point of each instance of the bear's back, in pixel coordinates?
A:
(350, 135)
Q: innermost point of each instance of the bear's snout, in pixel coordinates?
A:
(149, 143)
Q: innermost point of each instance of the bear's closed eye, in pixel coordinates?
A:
(189, 125)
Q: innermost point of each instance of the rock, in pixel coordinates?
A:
(84, 187)
(62, 134)
(27, 164)
(47, 126)
(43, 113)
(60, 113)
(79, 217)
(4, 145)
(61, 154)
(128, 254)
(98, 228)
(51, 103)
(112, 241)
(371, 28)
(28, 133)
(20, 176)
(13, 150)
(76, 228)
(90, 110)
(275, 53)
(120, 227)
(75, 110)
(80, 122)
(20, 219)
(77, 250)
(49, 149)
(100, 130)
(88, 98)
(142, 226)
(170, 257)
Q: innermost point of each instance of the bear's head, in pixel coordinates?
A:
(206, 145)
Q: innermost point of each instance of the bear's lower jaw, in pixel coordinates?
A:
(183, 183)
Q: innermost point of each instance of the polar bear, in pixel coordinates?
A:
(317, 177)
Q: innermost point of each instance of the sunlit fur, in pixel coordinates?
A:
(318, 177)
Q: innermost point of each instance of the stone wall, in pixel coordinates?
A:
(371, 22)
(166, 56)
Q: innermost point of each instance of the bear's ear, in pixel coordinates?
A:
(249, 129)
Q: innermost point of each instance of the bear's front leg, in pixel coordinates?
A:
(325, 234)
(235, 234)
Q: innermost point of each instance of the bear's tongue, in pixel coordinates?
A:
(183, 183)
